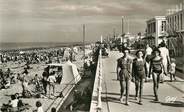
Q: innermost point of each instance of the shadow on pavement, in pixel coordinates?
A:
(111, 93)
(146, 98)
(175, 81)
(148, 95)
(115, 80)
(110, 99)
(132, 96)
(117, 100)
(154, 101)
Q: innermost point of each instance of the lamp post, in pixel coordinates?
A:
(122, 32)
(101, 39)
(122, 25)
(84, 47)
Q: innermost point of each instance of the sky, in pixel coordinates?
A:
(62, 20)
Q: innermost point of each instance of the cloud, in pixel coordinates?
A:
(76, 8)
(62, 19)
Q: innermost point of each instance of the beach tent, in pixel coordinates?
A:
(70, 73)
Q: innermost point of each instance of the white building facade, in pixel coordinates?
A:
(175, 27)
(156, 27)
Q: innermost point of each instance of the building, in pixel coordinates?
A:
(175, 22)
(156, 27)
(175, 28)
(175, 19)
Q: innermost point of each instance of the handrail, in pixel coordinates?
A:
(61, 93)
(96, 103)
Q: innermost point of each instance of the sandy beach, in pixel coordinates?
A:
(38, 68)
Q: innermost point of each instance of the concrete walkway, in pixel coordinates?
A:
(168, 91)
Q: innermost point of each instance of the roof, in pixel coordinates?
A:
(156, 18)
(175, 13)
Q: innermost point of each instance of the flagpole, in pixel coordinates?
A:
(122, 25)
(84, 46)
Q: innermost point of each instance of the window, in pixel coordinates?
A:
(175, 22)
(148, 28)
(178, 24)
(163, 26)
(170, 24)
(154, 27)
(181, 21)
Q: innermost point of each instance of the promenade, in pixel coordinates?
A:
(171, 94)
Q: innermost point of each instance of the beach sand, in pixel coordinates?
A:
(36, 69)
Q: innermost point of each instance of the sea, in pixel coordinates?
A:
(33, 45)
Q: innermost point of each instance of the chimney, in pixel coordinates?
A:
(168, 11)
(173, 10)
(177, 8)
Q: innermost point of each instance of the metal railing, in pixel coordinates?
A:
(62, 97)
(96, 103)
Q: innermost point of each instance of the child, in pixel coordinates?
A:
(11, 106)
(14, 101)
(53, 109)
(52, 79)
(172, 69)
(39, 107)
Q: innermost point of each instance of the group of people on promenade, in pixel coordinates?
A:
(151, 62)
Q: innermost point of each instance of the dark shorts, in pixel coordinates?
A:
(157, 71)
(148, 58)
(141, 74)
(124, 74)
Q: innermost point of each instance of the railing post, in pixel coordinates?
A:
(99, 106)
(96, 103)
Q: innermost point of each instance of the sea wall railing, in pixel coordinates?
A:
(64, 93)
(96, 103)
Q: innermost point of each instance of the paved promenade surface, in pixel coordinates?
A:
(168, 91)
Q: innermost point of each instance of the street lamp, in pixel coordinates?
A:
(122, 31)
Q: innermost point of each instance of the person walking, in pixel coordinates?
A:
(125, 75)
(165, 59)
(52, 80)
(172, 69)
(147, 57)
(44, 81)
(138, 72)
(156, 68)
(118, 67)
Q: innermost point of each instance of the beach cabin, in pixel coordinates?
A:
(66, 73)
